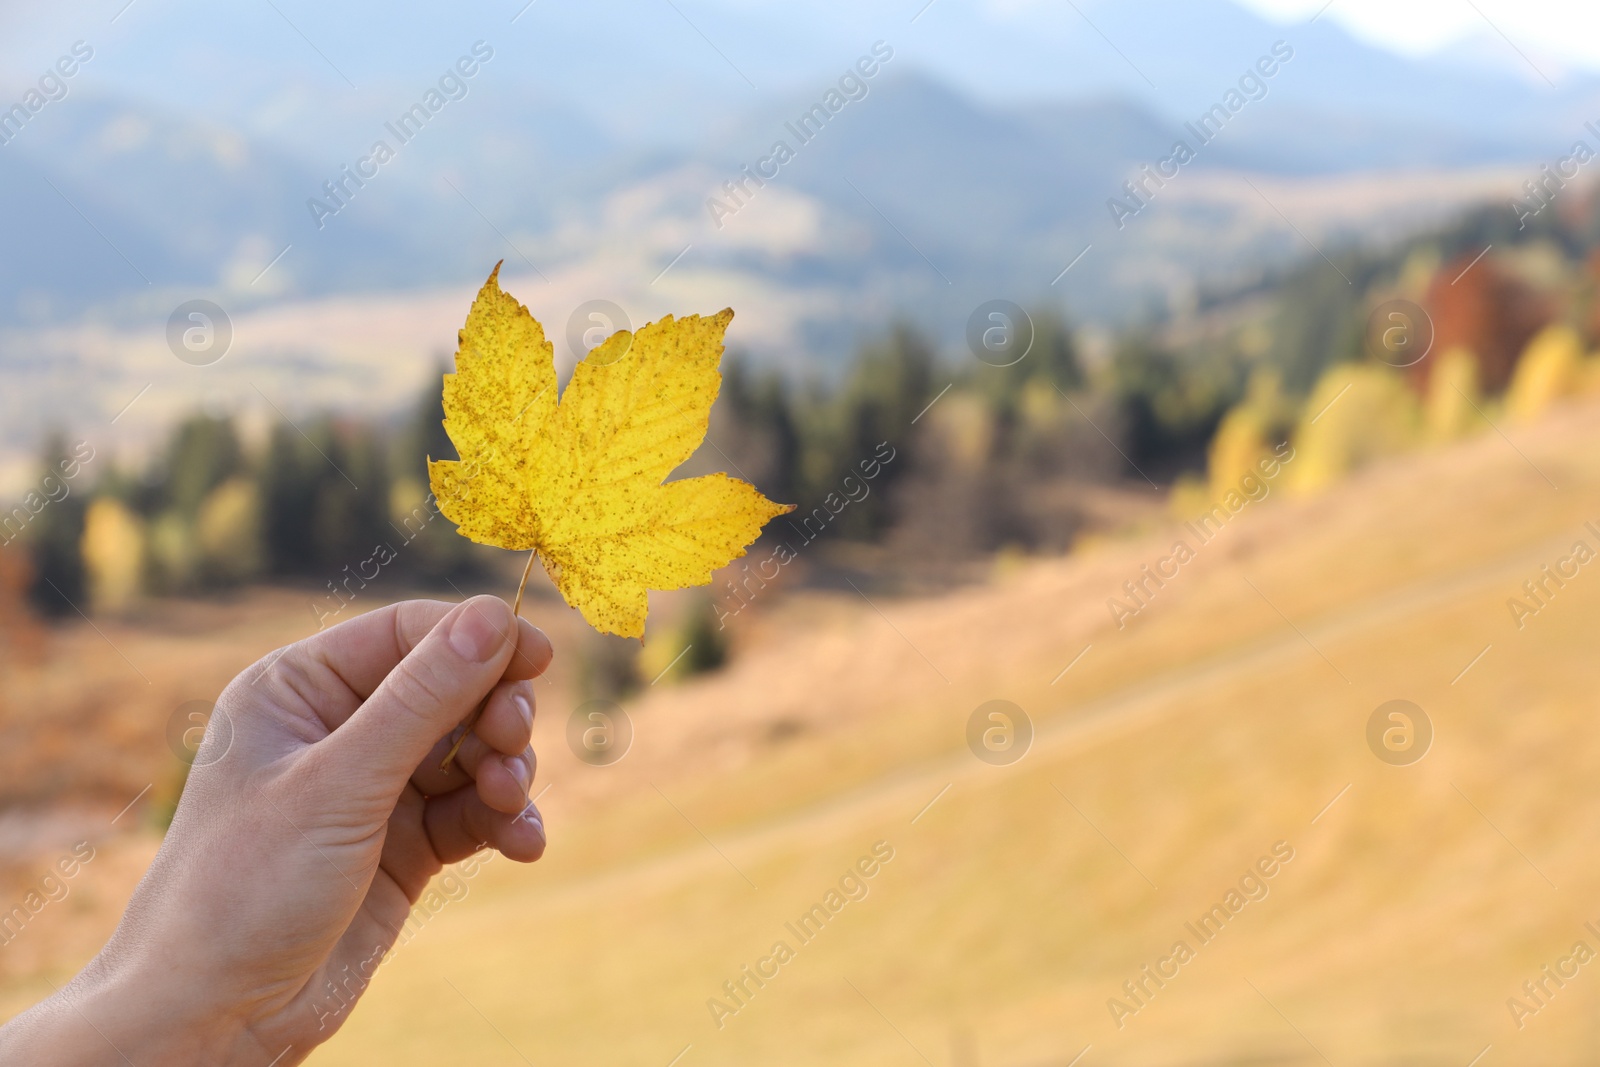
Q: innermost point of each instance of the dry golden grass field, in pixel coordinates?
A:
(1228, 718)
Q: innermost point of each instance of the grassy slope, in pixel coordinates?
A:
(1221, 720)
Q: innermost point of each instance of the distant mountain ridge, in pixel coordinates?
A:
(981, 162)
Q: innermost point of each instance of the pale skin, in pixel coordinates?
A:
(302, 841)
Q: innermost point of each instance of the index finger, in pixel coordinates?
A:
(533, 654)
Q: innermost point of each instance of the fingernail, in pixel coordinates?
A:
(474, 636)
(518, 766)
(524, 708)
(530, 815)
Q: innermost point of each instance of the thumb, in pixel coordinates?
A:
(428, 693)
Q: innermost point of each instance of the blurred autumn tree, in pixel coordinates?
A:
(1318, 322)
(889, 385)
(1170, 404)
(1482, 309)
(754, 421)
(433, 551)
(325, 497)
(54, 535)
(203, 453)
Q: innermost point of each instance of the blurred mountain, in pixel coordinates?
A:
(191, 151)
(657, 73)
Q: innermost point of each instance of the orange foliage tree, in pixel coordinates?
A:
(1487, 312)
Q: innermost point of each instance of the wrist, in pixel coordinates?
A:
(155, 1006)
(119, 1010)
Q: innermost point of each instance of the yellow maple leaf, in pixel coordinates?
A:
(582, 482)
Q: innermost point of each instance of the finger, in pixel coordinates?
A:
(433, 779)
(460, 823)
(507, 720)
(534, 652)
(427, 693)
(504, 728)
(407, 857)
(504, 781)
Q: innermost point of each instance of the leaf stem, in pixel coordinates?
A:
(516, 605)
(477, 712)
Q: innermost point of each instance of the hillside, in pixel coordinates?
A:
(1227, 716)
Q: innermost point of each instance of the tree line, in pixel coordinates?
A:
(967, 459)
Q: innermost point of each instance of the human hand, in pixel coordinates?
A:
(303, 837)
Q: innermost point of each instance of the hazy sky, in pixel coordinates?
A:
(1564, 29)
